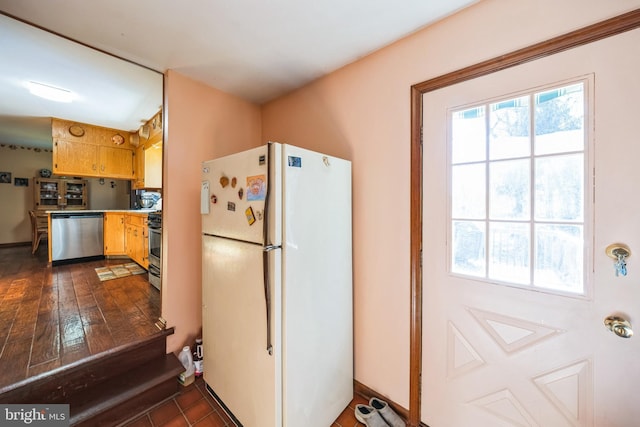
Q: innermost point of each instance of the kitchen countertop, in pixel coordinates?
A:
(67, 219)
(81, 211)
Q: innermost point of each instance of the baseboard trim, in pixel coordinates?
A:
(15, 244)
(367, 393)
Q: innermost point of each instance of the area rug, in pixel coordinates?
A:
(117, 271)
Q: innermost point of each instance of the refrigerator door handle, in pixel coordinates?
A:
(265, 252)
(266, 239)
(267, 291)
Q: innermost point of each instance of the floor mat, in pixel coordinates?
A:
(117, 271)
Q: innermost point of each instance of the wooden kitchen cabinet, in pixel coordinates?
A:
(85, 159)
(148, 167)
(148, 162)
(116, 162)
(74, 158)
(114, 233)
(86, 150)
(126, 233)
(137, 238)
(153, 166)
(138, 181)
(59, 193)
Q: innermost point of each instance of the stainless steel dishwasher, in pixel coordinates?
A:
(76, 235)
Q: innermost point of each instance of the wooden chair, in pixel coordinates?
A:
(39, 229)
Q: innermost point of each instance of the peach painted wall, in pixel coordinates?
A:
(362, 113)
(200, 123)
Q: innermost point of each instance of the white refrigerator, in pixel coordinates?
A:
(277, 297)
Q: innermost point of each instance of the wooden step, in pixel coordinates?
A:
(106, 388)
(128, 394)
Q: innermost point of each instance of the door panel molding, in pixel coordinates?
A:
(580, 37)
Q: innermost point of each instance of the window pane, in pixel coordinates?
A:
(468, 191)
(509, 129)
(509, 248)
(468, 135)
(559, 120)
(518, 196)
(468, 248)
(559, 191)
(559, 257)
(509, 190)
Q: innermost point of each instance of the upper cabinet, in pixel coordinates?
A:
(92, 151)
(148, 163)
(153, 166)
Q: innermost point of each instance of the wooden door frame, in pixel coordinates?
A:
(607, 28)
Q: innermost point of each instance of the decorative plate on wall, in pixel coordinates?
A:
(117, 139)
(76, 130)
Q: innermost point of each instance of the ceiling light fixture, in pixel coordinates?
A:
(51, 93)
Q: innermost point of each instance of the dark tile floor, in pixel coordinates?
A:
(194, 406)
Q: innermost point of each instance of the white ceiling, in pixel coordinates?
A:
(255, 49)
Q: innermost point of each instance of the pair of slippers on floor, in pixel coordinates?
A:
(378, 414)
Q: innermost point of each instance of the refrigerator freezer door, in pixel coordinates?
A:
(233, 194)
(317, 288)
(238, 366)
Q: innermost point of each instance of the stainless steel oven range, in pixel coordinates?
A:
(154, 221)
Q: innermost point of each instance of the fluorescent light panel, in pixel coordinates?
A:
(51, 93)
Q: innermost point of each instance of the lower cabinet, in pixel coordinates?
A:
(136, 238)
(114, 233)
(127, 234)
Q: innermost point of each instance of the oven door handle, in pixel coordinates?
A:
(154, 269)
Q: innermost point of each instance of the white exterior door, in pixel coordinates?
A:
(495, 355)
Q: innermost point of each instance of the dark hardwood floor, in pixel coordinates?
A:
(54, 316)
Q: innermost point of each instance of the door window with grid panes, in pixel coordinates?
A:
(518, 189)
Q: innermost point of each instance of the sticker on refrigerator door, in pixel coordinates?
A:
(295, 162)
(262, 160)
(231, 206)
(256, 187)
(204, 198)
(224, 181)
(250, 217)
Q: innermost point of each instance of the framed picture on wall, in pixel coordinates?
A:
(21, 182)
(5, 177)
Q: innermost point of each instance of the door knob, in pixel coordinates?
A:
(619, 326)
